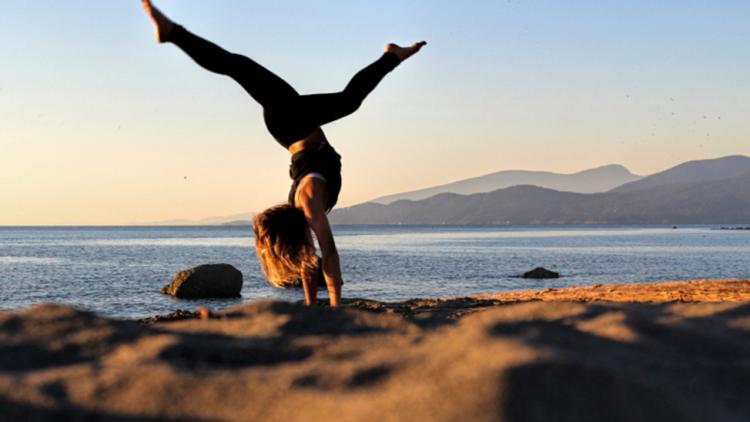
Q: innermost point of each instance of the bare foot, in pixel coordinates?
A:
(404, 53)
(162, 25)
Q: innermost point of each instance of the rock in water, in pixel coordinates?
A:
(540, 272)
(205, 281)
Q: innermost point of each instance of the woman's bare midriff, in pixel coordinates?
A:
(312, 140)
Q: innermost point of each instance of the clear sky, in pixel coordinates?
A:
(100, 125)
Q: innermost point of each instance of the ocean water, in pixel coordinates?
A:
(117, 271)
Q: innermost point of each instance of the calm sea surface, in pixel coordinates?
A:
(118, 270)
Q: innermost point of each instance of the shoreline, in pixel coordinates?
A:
(685, 291)
(618, 352)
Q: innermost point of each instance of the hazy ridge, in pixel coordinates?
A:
(600, 179)
(695, 192)
(692, 171)
(690, 193)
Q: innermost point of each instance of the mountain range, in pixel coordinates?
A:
(703, 191)
(600, 179)
(692, 171)
(242, 218)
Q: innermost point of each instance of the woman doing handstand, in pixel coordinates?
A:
(283, 240)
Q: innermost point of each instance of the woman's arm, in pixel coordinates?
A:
(312, 197)
(310, 286)
(330, 260)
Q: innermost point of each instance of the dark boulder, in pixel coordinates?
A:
(540, 272)
(205, 281)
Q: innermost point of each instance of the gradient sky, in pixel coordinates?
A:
(100, 125)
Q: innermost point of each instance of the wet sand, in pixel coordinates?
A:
(617, 352)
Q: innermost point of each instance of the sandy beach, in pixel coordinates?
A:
(617, 352)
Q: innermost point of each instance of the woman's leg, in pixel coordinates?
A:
(325, 108)
(264, 86)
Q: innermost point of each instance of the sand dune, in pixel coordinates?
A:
(675, 351)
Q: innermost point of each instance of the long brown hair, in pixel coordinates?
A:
(284, 244)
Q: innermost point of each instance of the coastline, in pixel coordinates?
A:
(647, 351)
(443, 310)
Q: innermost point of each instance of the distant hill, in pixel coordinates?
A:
(725, 201)
(247, 222)
(701, 191)
(235, 219)
(692, 171)
(599, 179)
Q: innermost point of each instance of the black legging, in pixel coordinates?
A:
(288, 116)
